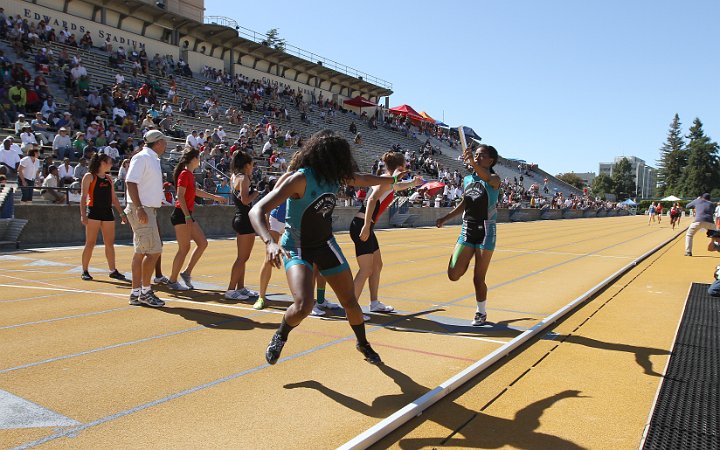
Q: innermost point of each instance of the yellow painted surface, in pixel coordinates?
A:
(195, 370)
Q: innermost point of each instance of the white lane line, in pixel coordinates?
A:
(56, 319)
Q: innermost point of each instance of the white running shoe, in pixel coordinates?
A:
(380, 307)
(176, 286)
(235, 295)
(187, 279)
(328, 305)
(317, 311)
(248, 292)
(366, 318)
(161, 280)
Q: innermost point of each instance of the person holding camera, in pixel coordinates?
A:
(704, 209)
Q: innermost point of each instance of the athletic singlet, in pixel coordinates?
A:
(380, 205)
(240, 207)
(308, 220)
(100, 193)
(279, 212)
(480, 201)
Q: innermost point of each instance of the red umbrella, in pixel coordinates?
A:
(433, 187)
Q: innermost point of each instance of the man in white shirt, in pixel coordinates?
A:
(28, 170)
(221, 133)
(192, 140)
(20, 124)
(119, 78)
(62, 144)
(145, 195)
(112, 151)
(78, 71)
(9, 160)
(268, 147)
(118, 112)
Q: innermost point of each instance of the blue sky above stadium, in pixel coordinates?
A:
(567, 84)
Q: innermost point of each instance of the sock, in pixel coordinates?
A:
(359, 331)
(320, 296)
(136, 291)
(145, 289)
(481, 307)
(284, 330)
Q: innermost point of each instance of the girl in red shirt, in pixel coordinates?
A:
(186, 229)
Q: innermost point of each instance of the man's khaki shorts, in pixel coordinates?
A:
(146, 236)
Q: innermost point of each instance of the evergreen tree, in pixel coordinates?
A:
(702, 173)
(673, 159)
(623, 179)
(601, 185)
(273, 40)
(571, 179)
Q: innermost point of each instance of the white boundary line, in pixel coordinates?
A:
(646, 429)
(403, 415)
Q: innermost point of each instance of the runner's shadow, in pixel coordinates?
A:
(471, 429)
(642, 354)
(501, 329)
(218, 321)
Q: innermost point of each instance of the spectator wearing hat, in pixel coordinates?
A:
(93, 131)
(65, 121)
(704, 210)
(20, 123)
(221, 133)
(145, 195)
(62, 144)
(112, 151)
(9, 158)
(28, 171)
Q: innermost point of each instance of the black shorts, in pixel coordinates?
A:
(178, 217)
(102, 214)
(363, 247)
(328, 258)
(241, 224)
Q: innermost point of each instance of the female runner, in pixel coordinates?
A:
(324, 163)
(477, 238)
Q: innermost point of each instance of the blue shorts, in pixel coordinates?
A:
(478, 236)
(329, 258)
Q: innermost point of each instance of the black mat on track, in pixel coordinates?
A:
(687, 412)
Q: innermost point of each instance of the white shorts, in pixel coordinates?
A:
(276, 225)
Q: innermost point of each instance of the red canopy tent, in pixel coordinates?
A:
(359, 101)
(406, 110)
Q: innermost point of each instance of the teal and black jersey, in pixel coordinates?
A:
(480, 200)
(308, 220)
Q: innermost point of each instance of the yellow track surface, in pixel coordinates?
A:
(193, 374)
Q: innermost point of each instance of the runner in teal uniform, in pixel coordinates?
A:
(324, 163)
(477, 236)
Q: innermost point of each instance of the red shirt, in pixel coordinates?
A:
(187, 180)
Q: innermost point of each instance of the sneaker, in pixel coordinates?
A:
(479, 319)
(366, 318)
(370, 355)
(161, 280)
(688, 253)
(117, 275)
(328, 305)
(380, 307)
(150, 299)
(317, 311)
(187, 279)
(176, 286)
(259, 303)
(272, 353)
(248, 293)
(235, 295)
(134, 300)
(86, 276)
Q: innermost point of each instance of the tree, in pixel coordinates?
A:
(273, 40)
(571, 179)
(702, 172)
(622, 178)
(673, 159)
(602, 184)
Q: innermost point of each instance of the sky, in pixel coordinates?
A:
(565, 84)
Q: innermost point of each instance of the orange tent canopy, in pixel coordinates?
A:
(427, 117)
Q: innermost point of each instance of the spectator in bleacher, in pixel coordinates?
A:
(28, 171)
(268, 148)
(166, 110)
(65, 121)
(66, 173)
(27, 136)
(17, 95)
(94, 100)
(112, 151)
(90, 149)
(9, 158)
(192, 140)
(358, 139)
(79, 143)
(93, 131)
(221, 134)
(147, 123)
(50, 185)
(48, 108)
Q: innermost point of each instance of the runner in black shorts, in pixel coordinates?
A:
(367, 249)
(243, 195)
(96, 203)
(324, 163)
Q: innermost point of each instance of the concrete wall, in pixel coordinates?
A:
(50, 225)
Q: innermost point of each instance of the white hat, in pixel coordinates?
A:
(153, 136)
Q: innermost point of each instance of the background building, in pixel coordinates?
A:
(645, 176)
